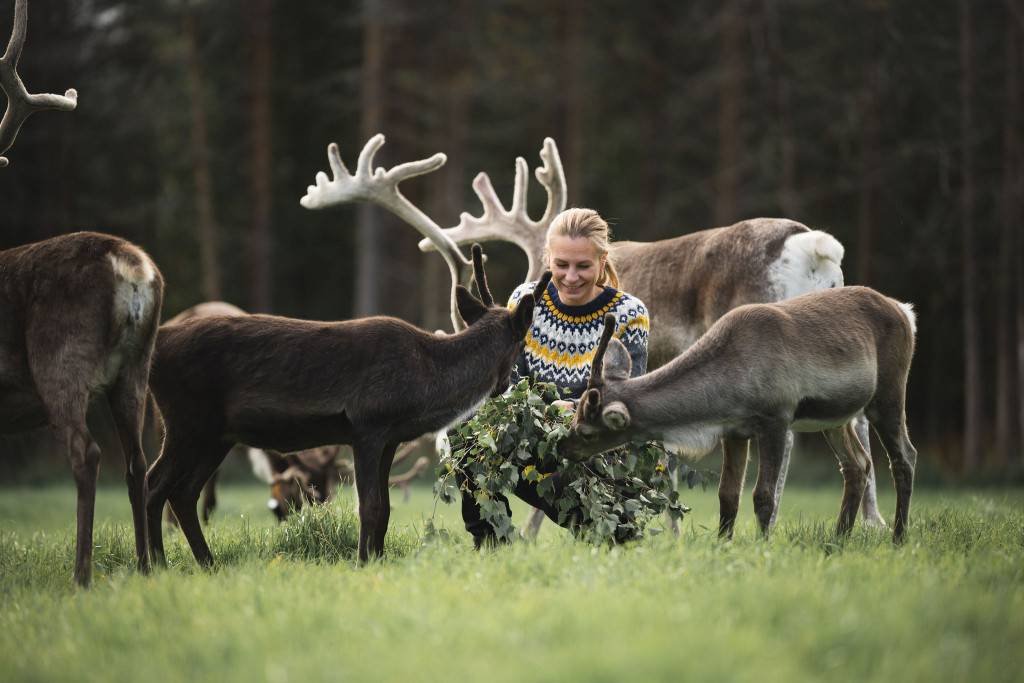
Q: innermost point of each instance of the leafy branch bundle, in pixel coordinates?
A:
(514, 437)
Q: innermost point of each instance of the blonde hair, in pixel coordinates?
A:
(588, 224)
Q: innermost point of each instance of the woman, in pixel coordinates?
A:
(567, 325)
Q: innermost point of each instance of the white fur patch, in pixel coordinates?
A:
(131, 272)
(694, 441)
(809, 261)
(133, 297)
(908, 310)
(260, 464)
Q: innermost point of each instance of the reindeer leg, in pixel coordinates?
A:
(891, 427)
(177, 477)
(730, 487)
(531, 525)
(381, 528)
(84, 455)
(67, 410)
(783, 471)
(127, 405)
(854, 463)
(672, 463)
(183, 504)
(368, 467)
(209, 497)
(869, 504)
(771, 444)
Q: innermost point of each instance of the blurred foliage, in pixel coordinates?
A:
(514, 438)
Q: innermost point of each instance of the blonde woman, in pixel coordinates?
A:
(567, 325)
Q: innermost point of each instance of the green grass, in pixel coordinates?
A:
(289, 603)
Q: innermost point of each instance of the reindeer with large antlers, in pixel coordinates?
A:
(21, 104)
(687, 282)
(810, 363)
(287, 385)
(380, 187)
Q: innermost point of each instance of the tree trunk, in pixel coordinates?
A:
(973, 428)
(453, 68)
(206, 222)
(869, 181)
(573, 77)
(789, 198)
(656, 131)
(368, 247)
(727, 174)
(260, 148)
(1010, 316)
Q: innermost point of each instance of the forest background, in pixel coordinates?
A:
(895, 126)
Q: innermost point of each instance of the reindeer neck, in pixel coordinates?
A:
(688, 390)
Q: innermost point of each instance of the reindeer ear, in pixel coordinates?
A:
(542, 284)
(615, 416)
(470, 308)
(617, 363)
(480, 276)
(590, 401)
(522, 315)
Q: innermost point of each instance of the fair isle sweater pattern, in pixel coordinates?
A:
(562, 340)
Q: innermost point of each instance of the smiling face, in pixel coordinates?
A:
(576, 266)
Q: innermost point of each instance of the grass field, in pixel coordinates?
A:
(288, 603)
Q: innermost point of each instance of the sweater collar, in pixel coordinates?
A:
(599, 302)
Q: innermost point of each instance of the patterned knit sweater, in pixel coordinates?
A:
(561, 343)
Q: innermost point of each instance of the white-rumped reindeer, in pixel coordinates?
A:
(20, 103)
(813, 362)
(78, 320)
(287, 385)
(687, 282)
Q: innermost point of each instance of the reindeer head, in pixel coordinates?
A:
(483, 312)
(601, 421)
(305, 477)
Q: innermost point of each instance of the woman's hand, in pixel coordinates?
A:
(567, 406)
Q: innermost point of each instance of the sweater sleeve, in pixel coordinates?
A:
(636, 329)
(519, 369)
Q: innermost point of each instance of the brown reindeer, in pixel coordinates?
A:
(202, 310)
(813, 362)
(78, 320)
(287, 385)
(310, 477)
(687, 282)
(20, 104)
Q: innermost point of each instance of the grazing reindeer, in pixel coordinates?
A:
(78, 321)
(20, 104)
(311, 477)
(814, 362)
(308, 476)
(286, 385)
(686, 282)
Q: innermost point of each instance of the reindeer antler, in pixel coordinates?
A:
(515, 225)
(597, 365)
(20, 104)
(380, 187)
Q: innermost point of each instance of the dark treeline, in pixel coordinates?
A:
(896, 126)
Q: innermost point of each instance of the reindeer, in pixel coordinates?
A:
(201, 310)
(77, 327)
(20, 104)
(686, 282)
(311, 476)
(813, 362)
(287, 385)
